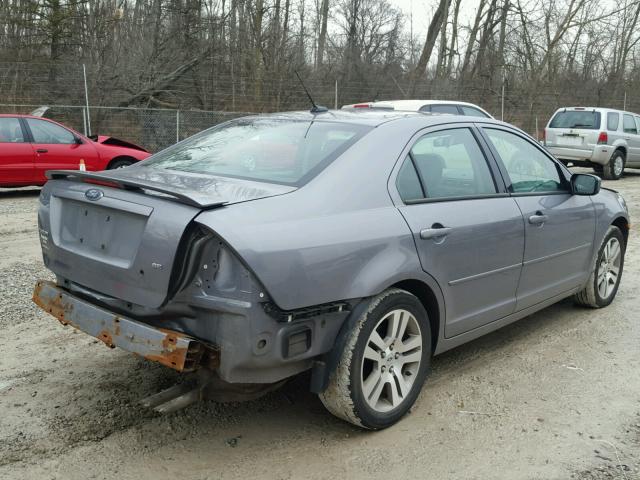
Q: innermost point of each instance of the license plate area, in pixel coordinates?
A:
(99, 232)
(570, 140)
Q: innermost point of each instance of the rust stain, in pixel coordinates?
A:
(55, 306)
(173, 359)
(105, 336)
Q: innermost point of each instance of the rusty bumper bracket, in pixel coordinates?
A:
(172, 349)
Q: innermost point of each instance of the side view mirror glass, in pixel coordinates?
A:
(585, 184)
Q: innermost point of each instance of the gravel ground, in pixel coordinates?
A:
(554, 396)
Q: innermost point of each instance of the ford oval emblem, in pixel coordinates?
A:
(94, 194)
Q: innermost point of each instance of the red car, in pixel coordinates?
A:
(29, 146)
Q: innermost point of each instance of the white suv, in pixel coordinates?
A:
(602, 138)
(430, 106)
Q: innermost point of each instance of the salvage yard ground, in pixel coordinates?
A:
(554, 396)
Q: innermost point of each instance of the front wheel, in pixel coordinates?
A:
(605, 278)
(120, 163)
(614, 169)
(384, 363)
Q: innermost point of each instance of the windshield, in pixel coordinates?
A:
(576, 119)
(289, 152)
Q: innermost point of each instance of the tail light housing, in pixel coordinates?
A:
(603, 138)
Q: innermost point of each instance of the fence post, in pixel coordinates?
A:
(502, 108)
(177, 126)
(335, 104)
(84, 120)
(86, 99)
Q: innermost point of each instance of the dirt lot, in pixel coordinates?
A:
(555, 396)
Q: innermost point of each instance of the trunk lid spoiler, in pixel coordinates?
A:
(200, 191)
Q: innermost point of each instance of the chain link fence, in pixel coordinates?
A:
(152, 128)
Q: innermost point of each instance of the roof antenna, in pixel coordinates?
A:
(316, 108)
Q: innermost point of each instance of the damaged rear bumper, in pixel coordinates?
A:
(172, 349)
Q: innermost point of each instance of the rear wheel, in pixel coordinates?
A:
(605, 278)
(613, 170)
(384, 364)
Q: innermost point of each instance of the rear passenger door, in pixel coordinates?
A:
(468, 231)
(630, 132)
(559, 226)
(16, 154)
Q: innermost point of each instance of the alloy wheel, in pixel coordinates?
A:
(618, 165)
(391, 360)
(609, 268)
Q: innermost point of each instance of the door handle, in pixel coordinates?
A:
(42, 150)
(538, 219)
(435, 232)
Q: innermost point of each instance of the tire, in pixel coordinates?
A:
(603, 283)
(365, 387)
(614, 169)
(120, 163)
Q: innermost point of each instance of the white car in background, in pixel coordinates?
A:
(431, 106)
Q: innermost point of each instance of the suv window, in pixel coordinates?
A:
(576, 119)
(449, 164)
(613, 120)
(628, 124)
(47, 132)
(472, 112)
(10, 130)
(445, 109)
(529, 169)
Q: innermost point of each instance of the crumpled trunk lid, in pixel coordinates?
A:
(122, 240)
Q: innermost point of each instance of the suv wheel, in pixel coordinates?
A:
(605, 277)
(384, 363)
(613, 170)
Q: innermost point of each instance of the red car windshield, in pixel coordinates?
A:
(267, 150)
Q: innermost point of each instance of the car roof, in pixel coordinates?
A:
(593, 109)
(411, 104)
(375, 118)
(367, 117)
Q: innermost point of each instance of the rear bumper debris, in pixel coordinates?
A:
(172, 349)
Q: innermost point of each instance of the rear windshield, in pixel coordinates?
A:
(576, 119)
(289, 152)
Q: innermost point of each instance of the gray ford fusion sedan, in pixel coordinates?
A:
(353, 245)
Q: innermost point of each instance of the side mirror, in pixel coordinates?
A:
(585, 184)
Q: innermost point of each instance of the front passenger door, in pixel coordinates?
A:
(468, 231)
(559, 226)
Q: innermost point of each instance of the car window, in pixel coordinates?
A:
(613, 119)
(473, 112)
(287, 151)
(10, 130)
(47, 132)
(408, 182)
(576, 119)
(529, 169)
(451, 164)
(445, 109)
(637, 123)
(628, 124)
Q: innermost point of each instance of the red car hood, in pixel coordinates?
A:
(116, 142)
